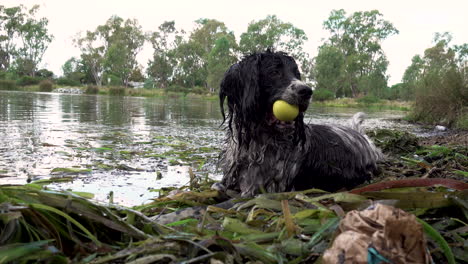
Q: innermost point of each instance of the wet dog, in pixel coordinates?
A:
(264, 154)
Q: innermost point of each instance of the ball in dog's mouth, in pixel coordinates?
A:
(283, 111)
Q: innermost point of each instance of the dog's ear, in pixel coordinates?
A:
(240, 87)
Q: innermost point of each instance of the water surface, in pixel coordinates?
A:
(122, 144)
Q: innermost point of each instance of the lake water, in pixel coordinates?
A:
(101, 144)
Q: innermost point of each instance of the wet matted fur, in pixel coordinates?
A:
(263, 154)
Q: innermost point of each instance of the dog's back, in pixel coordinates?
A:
(337, 157)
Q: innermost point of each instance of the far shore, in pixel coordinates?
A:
(156, 92)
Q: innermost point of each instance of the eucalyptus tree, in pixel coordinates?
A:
(124, 40)
(363, 63)
(112, 48)
(10, 21)
(219, 60)
(23, 39)
(271, 32)
(93, 51)
(191, 56)
(35, 39)
(164, 41)
(217, 49)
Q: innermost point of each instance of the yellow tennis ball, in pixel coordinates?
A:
(284, 111)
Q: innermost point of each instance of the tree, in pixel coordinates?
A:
(124, 41)
(75, 72)
(10, 21)
(92, 54)
(329, 69)
(35, 41)
(164, 42)
(219, 60)
(440, 83)
(192, 56)
(23, 39)
(112, 48)
(357, 38)
(411, 77)
(273, 33)
(184, 61)
(216, 47)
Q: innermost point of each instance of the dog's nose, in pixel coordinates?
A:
(304, 90)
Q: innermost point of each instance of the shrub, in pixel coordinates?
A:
(92, 89)
(177, 89)
(199, 90)
(117, 90)
(28, 80)
(8, 85)
(441, 98)
(368, 99)
(323, 95)
(46, 86)
(149, 84)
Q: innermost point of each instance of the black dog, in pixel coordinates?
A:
(264, 154)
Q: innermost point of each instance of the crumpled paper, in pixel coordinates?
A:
(380, 234)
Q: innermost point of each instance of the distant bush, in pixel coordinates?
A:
(149, 84)
(28, 80)
(117, 90)
(323, 95)
(441, 98)
(368, 99)
(8, 85)
(44, 73)
(92, 89)
(46, 86)
(67, 82)
(199, 90)
(177, 89)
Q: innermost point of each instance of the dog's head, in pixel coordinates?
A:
(254, 84)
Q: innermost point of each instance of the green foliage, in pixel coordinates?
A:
(8, 85)
(149, 84)
(28, 80)
(117, 90)
(271, 32)
(121, 42)
(46, 86)
(199, 90)
(92, 89)
(439, 83)
(178, 89)
(352, 61)
(44, 73)
(219, 60)
(368, 100)
(112, 80)
(323, 95)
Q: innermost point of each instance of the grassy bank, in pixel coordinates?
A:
(359, 103)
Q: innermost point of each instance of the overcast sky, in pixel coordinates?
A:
(417, 21)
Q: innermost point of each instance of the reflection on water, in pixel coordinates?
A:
(124, 141)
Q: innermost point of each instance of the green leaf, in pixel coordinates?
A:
(16, 251)
(439, 239)
(69, 218)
